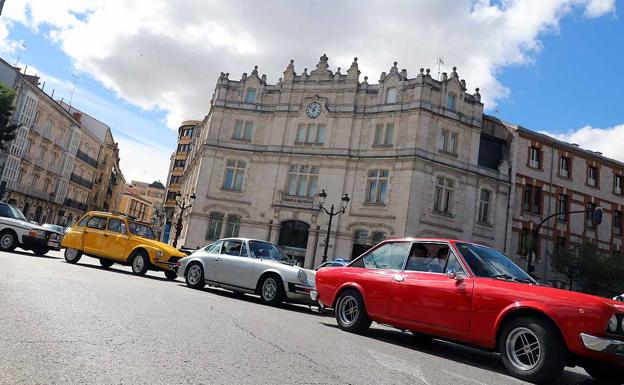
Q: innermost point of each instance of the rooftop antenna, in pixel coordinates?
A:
(73, 88)
(440, 61)
(52, 96)
(43, 86)
(22, 46)
(497, 112)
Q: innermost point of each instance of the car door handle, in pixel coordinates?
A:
(398, 278)
(218, 259)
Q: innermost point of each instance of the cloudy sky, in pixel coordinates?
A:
(143, 66)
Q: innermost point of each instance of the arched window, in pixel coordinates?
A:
(215, 224)
(232, 226)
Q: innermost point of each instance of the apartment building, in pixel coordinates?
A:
(405, 150)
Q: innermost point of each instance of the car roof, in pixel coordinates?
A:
(413, 239)
(242, 239)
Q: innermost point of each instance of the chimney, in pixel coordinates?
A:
(77, 115)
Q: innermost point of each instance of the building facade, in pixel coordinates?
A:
(155, 193)
(405, 150)
(50, 167)
(135, 205)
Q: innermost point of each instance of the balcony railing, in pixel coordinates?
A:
(81, 181)
(27, 189)
(40, 162)
(61, 142)
(55, 168)
(75, 204)
(86, 158)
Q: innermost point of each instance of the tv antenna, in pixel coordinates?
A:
(440, 61)
(22, 47)
(75, 76)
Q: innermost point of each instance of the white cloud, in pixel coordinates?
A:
(143, 161)
(606, 140)
(167, 54)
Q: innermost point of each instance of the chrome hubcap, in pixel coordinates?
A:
(194, 274)
(269, 289)
(6, 241)
(523, 348)
(348, 310)
(137, 264)
(71, 254)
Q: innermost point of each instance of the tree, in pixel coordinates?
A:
(591, 270)
(7, 129)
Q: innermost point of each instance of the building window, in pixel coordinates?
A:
(310, 134)
(532, 200)
(450, 102)
(484, 206)
(564, 167)
(525, 242)
(383, 134)
(214, 226)
(443, 195)
(377, 186)
(243, 130)
(589, 216)
(617, 188)
(592, 176)
(448, 141)
(250, 96)
(232, 226)
(360, 237)
(302, 180)
(534, 157)
(562, 207)
(183, 148)
(617, 223)
(561, 245)
(179, 163)
(234, 174)
(377, 236)
(391, 95)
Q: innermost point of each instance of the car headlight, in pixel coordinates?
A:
(302, 276)
(613, 324)
(37, 233)
(159, 254)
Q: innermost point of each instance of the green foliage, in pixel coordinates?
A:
(590, 270)
(7, 130)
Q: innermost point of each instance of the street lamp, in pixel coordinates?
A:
(343, 207)
(51, 210)
(183, 206)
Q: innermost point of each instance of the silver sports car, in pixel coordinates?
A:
(248, 266)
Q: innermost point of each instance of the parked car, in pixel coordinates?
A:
(59, 229)
(16, 230)
(116, 238)
(473, 294)
(248, 266)
(334, 263)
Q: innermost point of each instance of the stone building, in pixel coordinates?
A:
(135, 205)
(155, 193)
(50, 167)
(405, 150)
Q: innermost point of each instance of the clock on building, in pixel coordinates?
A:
(313, 110)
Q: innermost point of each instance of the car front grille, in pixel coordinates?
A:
(174, 259)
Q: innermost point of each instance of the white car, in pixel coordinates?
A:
(16, 230)
(248, 266)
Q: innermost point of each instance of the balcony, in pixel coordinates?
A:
(55, 168)
(81, 181)
(61, 142)
(75, 204)
(29, 158)
(40, 162)
(87, 159)
(27, 189)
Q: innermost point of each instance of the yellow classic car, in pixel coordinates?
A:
(116, 238)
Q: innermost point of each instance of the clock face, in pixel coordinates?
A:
(313, 110)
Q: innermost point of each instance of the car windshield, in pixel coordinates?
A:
(12, 212)
(489, 263)
(265, 250)
(141, 229)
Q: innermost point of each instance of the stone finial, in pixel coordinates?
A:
(337, 74)
(404, 74)
(463, 82)
(454, 73)
(244, 77)
(382, 77)
(477, 95)
(304, 74)
(263, 78)
(394, 69)
(427, 71)
(322, 68)
(353, 72)
(289, 73)
(291, 65)
(444, 77)
(255, 71)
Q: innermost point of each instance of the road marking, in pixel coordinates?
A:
(399, 365)
(464, 378)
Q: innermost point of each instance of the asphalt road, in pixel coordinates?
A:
(83, 324)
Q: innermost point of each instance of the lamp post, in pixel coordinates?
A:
(183, 206)
(49, 217)
(343, 207)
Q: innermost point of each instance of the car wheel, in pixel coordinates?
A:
(40, 251)
(106, 263)
(272, 290)
(72, 255)
(140, 263)
(8, 240)
(532, 350)
(171, 275)
(351, 313)
(195, 276)
(605, 373)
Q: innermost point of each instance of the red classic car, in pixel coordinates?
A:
(473, 294)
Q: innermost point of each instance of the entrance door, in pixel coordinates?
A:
(294, 237)
(115, 240)
(423, 293)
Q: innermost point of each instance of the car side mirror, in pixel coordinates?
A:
(455, 275)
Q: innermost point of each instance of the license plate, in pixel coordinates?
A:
(53, 244)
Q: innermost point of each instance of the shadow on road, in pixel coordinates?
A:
(458, 353)
(113, 270)
(30, 254)
(251, 298)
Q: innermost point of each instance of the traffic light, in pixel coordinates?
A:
(597, 217)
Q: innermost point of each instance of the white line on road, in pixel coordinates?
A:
(464, 378)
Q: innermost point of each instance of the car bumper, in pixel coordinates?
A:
(297, 292)
(603, 345)
(34, 242)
